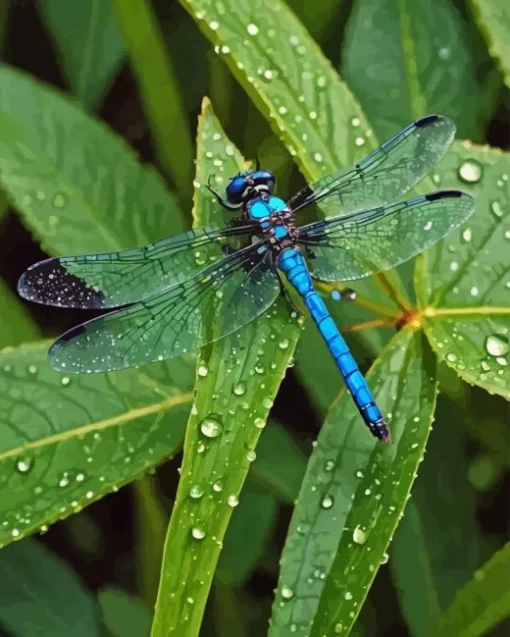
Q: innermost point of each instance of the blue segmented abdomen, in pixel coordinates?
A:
(291, 262)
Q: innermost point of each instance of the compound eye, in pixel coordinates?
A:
(235, 189)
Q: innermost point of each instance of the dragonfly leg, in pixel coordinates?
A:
(223, 202)
(286, 294)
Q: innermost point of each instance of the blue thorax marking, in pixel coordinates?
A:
(258, 209)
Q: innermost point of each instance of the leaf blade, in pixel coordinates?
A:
(89, 43)
(57, 170)
(327, 568)
(463, 283)
(60, 448)
(215, 466)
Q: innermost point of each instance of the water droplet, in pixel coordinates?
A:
(252, 29)
(283, 344)
(23, 465)
(65, 381)
(15, 533)
(355, 121)
(287, 593)
(348, 596)
(239, 389)
(232, 501)
(313, 115)
(259, 368)
(359, 536)
(198, 533)
(470, 171)
(267, 402)
(211, 427)
(359, 141)
(317, 157)
(329, 465)
(64, 480)
(466, 235)
(203, 370)
(217, 486)
(59, 200)
(260, 423)
(428, 225)
(474, 291)
(32, 370)
(196, 492)
(213, 24)
(497, 345)
(327, 502)
(454, 266)
(385, 558)
(496, 209)
(338, 628)
(251, 455)
(444, 53)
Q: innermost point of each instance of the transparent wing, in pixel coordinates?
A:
(385, 175)
(220, 300)
(363, 243)
(118, 278)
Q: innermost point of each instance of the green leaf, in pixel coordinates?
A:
(437, 544)
(123, 614)
(289, 79)
(66, 442)
(150, 528)
(493, 17)
(77, 185)
(159, 90)
(482, 603)
(89, 44)
(17, 326)
(247, 534)
(280, 465)
(41, 595)
(238, 378)
(405, 59)
(463, 283)
(353, 495)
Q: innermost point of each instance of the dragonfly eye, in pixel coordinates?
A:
(236, 189)
(263, 179)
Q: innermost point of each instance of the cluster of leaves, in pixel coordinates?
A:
(67, 441)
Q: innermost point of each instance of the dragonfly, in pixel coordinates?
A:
(185, 291)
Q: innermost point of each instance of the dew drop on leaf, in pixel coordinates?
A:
(327, 502)
(198, 533)
(232, 501)
(287, 593)
(251, 455)
(497, 345)
(217, 486)
(202, 370)
(66, 381)
(466, 235)
(329, 465)
(59, 200)
(252, 29)
(348, 596)
(496, 209)
(239, 389)
(196, 492)
(211, 427)
(359, 536)
(470, 171)
(260, 423)
(23, 465)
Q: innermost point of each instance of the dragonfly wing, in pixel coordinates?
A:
(385, 175)
(220, 300)
(119, 278)
(363, 243)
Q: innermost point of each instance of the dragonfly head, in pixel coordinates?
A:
(248, 184)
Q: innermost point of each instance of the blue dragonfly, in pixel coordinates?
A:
(180, 293)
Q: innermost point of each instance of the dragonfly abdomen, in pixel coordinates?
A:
(291, 262)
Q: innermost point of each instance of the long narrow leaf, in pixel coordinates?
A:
(353, 495)
(238, 378)
(158, 88)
